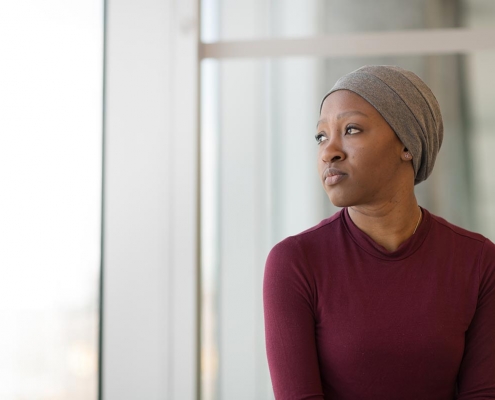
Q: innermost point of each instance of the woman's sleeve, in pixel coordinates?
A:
(476, 379)
(288, 300)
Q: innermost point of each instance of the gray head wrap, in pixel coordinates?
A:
(407, 104)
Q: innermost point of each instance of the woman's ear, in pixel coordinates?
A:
(406, 155)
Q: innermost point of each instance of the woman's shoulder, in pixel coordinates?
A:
(457, 232)
(298, 242)
(456, 239)
(327, 223)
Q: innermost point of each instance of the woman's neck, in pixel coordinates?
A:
(389, 224)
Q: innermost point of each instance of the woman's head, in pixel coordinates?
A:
(383, 124)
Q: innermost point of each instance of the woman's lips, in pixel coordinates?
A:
(333, 176)
(333, 179)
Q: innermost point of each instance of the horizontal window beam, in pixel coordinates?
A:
(431, 41)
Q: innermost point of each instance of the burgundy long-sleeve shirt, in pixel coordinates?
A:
(346, 319)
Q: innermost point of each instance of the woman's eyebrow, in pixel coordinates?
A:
(345, 114)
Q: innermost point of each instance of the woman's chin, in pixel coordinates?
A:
(339, 199)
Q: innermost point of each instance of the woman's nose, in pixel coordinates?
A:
(332, 150)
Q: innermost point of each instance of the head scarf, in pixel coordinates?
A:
(407, 104)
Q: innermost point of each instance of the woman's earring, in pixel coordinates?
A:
(408, 155)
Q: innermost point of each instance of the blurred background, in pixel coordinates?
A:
(153, 152)
(51, 80)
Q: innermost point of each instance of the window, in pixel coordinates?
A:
(50, 173)
(264, 72)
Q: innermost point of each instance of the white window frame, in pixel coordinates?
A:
(150, 200)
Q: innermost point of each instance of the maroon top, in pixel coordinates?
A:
(346, 319)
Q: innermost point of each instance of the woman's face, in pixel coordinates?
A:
(361, 161)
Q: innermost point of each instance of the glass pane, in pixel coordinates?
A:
(260, 184)
(477, 13)
(248, 19)
(50, 175)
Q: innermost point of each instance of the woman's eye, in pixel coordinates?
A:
(351, 130)
(320, 137)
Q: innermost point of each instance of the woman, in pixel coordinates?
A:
(383, 300)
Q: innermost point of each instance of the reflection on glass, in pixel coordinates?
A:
(50, 174)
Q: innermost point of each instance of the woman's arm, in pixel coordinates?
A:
(288, 297)
(476, 379)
